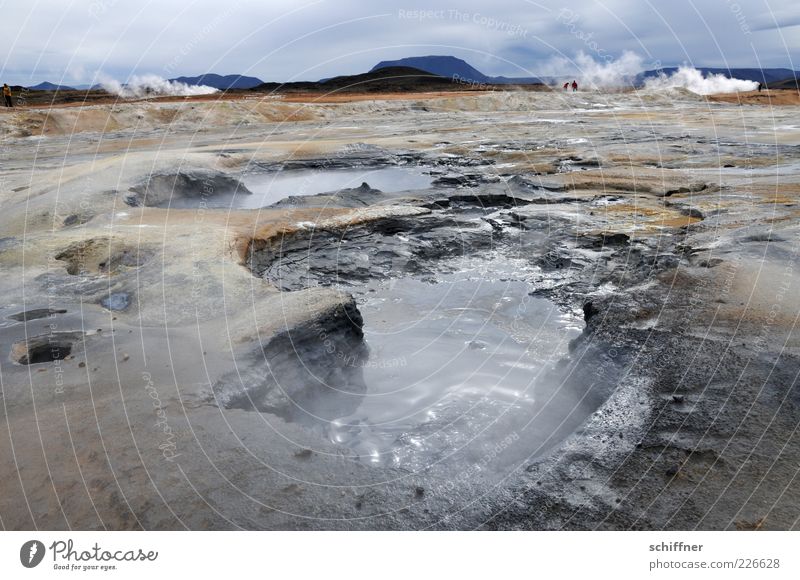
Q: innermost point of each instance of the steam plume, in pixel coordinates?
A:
(692, 79)
(152, 85)
(623, 72)
(592, 74)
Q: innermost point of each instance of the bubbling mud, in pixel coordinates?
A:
(456, 373)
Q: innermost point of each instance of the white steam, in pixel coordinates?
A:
(692, 79)
(609, 73)
(606, 73)
(153, 85)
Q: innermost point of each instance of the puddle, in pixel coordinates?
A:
(462, 373)
(270, 188)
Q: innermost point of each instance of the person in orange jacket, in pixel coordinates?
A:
(7, 95)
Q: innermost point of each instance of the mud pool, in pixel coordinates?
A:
(268, 188)
(454, 373)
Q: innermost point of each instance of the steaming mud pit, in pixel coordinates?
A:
(262, 189)
(453, 369)
(453, 375)
(577, 312)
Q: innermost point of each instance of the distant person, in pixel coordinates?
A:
(574, 86)
(7, 95)
(566, 86)
(760, 86)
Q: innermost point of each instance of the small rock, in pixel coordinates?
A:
(116, 301)
(693, 213)
(589, 311)
(419, 491)
(304, 454)
(678, 399)
(81, 364)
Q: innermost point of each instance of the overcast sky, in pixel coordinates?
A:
(75, 41)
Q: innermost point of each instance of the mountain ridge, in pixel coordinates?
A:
(388, 78)
(454, 68)
(48, 86)
(222, 82)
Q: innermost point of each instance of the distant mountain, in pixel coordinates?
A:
(762, 75)
(389, 79)
(444, 66)
(221, 82)
(790, 83)
(453, 68)
(45, 86)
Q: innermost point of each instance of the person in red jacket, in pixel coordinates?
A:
(566, 86)
(574, 86)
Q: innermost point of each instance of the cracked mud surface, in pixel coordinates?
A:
(158, 346)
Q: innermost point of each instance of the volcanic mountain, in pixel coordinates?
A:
(454, 68)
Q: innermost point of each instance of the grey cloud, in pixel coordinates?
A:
(287, 39)
(777, 20)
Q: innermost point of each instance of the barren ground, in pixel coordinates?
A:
(669, 222)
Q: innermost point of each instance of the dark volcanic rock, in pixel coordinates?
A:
(77, 219)
(590, 311)
(294, 374)
(392, 247)
(605, 239)
(361, 196)
(36, 313)
(160, 189)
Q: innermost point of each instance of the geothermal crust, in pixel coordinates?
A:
(153, 346)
